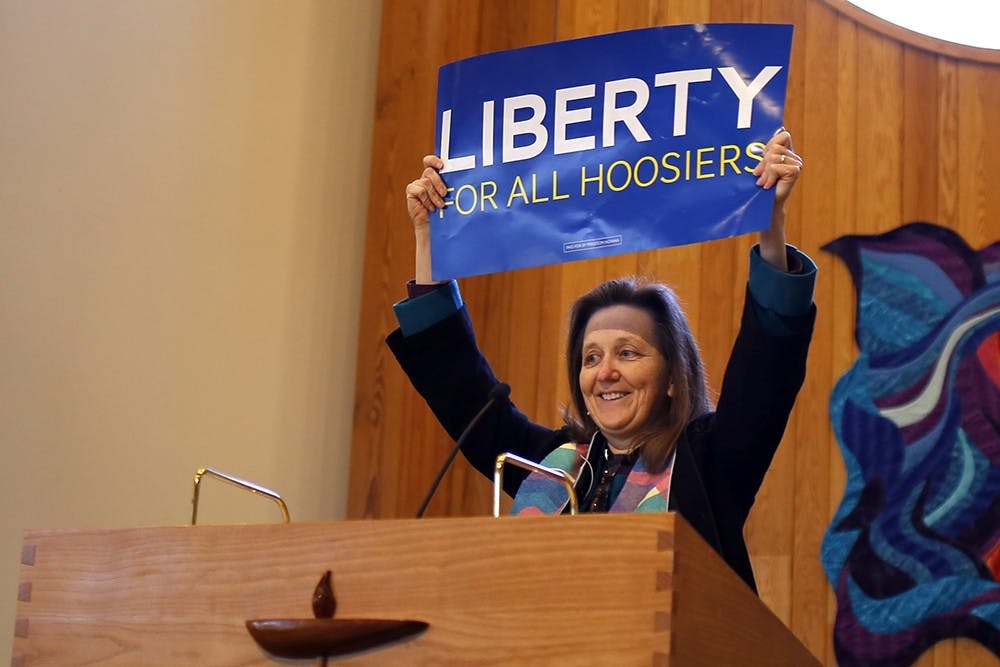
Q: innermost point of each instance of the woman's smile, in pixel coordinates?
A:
(623, 376)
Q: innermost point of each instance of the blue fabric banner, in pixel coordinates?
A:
(606, 145)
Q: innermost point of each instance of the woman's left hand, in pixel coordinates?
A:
(780, 167)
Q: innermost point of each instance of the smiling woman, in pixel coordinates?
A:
(633, 336)
(640, 434)
(963, 29)
(624, 377)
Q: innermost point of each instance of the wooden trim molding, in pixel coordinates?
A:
(919, 40)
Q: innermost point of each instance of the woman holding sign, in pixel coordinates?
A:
(640, 434)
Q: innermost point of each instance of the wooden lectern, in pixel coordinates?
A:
(593, 589)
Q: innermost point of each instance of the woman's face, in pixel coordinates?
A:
(623, 374)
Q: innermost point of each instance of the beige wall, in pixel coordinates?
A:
(182, 200)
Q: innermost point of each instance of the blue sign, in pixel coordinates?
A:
(605, 145)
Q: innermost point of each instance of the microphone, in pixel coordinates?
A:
(499, 391)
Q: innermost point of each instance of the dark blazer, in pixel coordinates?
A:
(722, 457)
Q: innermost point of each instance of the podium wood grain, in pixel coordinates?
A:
(593, 589)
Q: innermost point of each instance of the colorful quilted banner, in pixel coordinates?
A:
(913, 551)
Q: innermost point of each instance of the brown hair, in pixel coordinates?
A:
(685, 372)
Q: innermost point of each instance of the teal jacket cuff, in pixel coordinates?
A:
(422, 312)
(780, 298)
(783, 301)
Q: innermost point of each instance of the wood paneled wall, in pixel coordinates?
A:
(890, 134)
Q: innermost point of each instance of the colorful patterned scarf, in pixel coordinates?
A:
(643, 491)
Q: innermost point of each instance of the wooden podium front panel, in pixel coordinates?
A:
(717, 619)
(591, 589)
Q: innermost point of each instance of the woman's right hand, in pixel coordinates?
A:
(426, 194)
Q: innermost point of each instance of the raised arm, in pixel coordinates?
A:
(424, 196)
(779, 168)
(767, 365)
